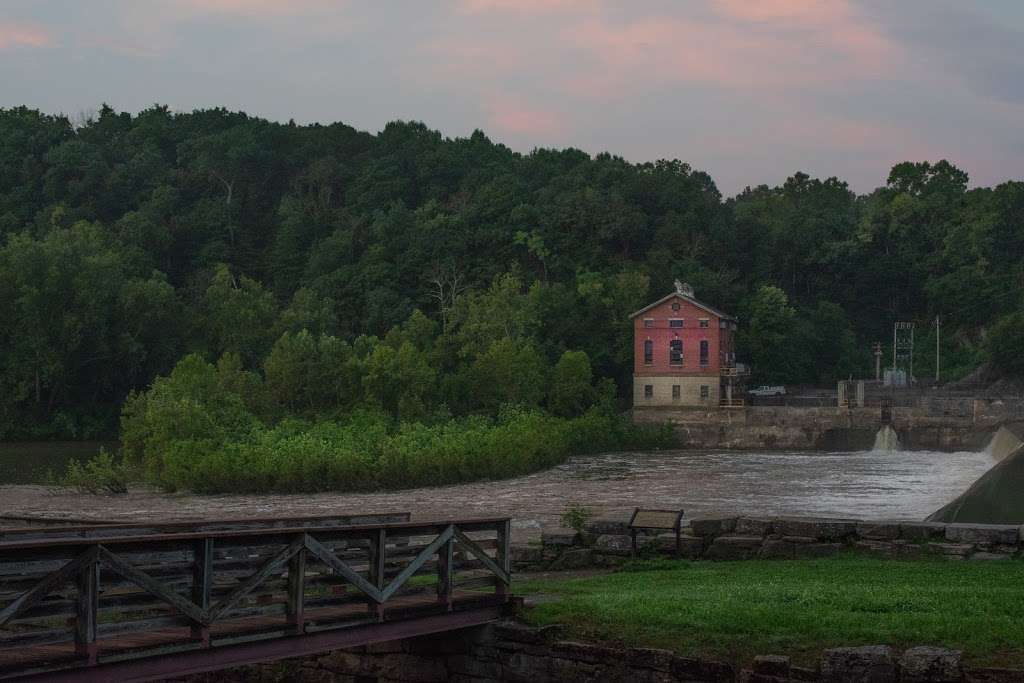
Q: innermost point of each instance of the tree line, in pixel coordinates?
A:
(429, 278)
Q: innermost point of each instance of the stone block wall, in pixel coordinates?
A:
(607, 542)
(516, 653)
(689, 390)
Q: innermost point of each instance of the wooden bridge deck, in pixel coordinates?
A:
(172, 602)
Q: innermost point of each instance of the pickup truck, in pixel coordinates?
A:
(764, 390)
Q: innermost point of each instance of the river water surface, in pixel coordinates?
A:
(889, 485)
(29, 462)
(871, 485)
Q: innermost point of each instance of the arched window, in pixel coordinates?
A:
(675, 352)
(648, 352)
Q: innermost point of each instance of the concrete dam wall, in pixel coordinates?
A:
(966, 424)
(998, 496)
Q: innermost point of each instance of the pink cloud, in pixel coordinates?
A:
(591, 52)
(14, 35)
(803, 11)
(516, 117)
(837, 22)
(529, 7)
(775, 44)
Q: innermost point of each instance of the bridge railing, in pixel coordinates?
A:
(108, 528)
(72, 602)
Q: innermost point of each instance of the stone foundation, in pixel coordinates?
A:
(521, 654)
(607, 542)
(689, 391)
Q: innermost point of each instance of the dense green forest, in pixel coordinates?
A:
(312, 272)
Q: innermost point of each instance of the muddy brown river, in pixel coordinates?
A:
(871, 485)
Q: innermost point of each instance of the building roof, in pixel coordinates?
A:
(690, 299)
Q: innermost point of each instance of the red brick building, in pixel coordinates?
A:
(684, 352)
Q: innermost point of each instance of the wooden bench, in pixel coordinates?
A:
(666, 520)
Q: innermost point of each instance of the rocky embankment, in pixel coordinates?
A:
(608, 542)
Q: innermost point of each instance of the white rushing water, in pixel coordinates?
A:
(876, 484)
(886, 440)
(1003, 443)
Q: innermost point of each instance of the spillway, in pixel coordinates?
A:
(998, 496)
(886, 440)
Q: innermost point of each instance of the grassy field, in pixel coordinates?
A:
(734, 610)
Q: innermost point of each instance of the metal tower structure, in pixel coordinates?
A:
(903, 348)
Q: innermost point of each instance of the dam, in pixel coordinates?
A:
(937, 423)
(997, 497)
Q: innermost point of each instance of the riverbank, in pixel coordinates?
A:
(825, 621)
(902, 485)
(735, 610)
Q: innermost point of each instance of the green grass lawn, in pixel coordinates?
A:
(734, 610)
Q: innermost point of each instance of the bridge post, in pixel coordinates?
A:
(87, 608)
(202, 584)
(504, 554)
(445, 570)
(296, 592)
(377, 547)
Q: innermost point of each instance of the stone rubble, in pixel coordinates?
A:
(515, 653)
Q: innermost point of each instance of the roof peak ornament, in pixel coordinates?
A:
(684, 289)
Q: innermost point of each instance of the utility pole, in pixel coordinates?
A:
(878, 361)
(894, 348)
(936, 349)
(910, 380)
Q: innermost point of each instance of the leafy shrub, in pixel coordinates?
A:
(576, 516)
(98, 475)
(571, 391)
(198, 408)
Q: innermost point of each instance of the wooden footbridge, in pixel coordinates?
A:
(145, 602)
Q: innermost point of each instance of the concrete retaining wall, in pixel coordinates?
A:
(961, 424)
(607, 542)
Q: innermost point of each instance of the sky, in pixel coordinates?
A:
(750, 91)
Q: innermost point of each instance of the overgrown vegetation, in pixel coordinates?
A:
(735, 610)
(221, 428)
(129, 242)
(101, 474)
(1005, 345)
(367, 453)
(575, 517)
